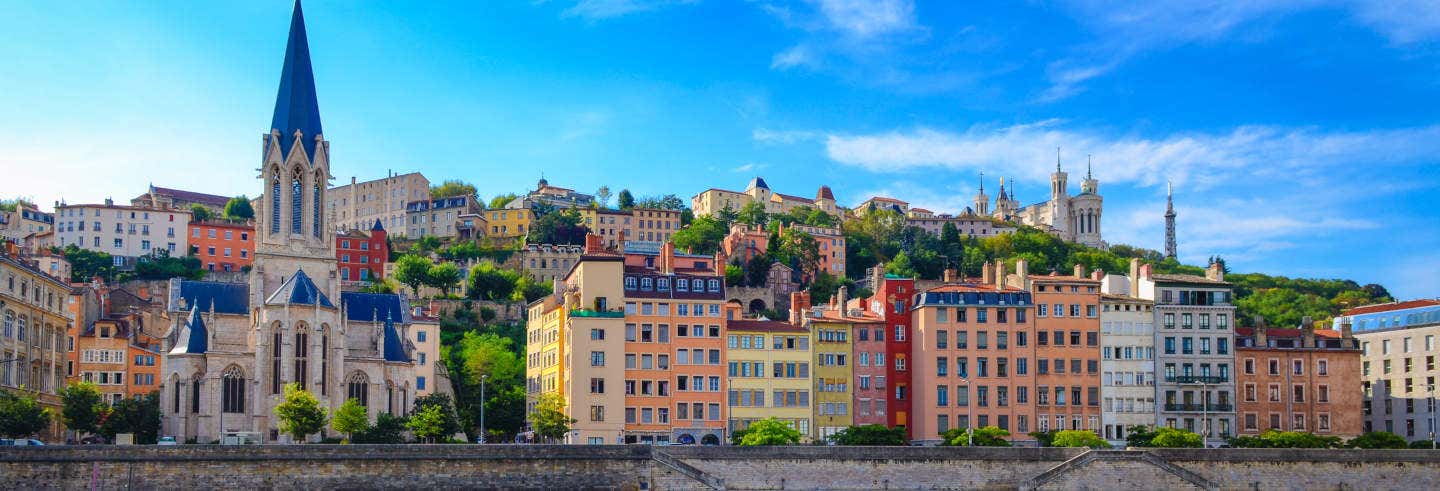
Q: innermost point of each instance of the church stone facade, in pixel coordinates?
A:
(231, 347)
(1072, 218)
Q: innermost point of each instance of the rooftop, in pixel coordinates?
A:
(764, 325)
(1387, 307)
(1186, 278)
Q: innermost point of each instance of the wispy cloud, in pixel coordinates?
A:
(1204, 159)
(748, 167)
(864, 19)
(594, 10)
(783, 137)
(797, 56)
(583, 124)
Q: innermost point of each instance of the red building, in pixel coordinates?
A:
(362, 256)
(892, 300)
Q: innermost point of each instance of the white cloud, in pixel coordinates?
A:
(1202, 159)
(605, 9)
(1402, 21)
(784, 137)
(863, 19)
(748, 167)
(583, 124)
(797, 56)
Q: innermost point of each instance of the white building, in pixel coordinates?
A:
(1127, 343)
(125, 232)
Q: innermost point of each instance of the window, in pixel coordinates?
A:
(358, 388)
(232, 390)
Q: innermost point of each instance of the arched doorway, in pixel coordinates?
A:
(710, 439)
(686, 439)
(757, 305)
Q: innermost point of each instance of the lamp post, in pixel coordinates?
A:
(1432, 415)
(482, 407)
(969, 414)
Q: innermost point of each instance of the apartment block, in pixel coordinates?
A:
(178, 199)
(359, 204)
(546, 262)
(361, 256)
(1067, 349)
(222, 245)
(894, 300)
(25, 221)
(849, 358)
(438, 217)
(1298, 380)
(712, 201)
(768, 367)
(1399, 346)
(32, 336)
(125, 232)
(974, 343)
(509, 223)
(1193, 335)
(1127, 349)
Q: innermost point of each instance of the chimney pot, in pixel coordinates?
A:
(986, 273)
(1079, 270)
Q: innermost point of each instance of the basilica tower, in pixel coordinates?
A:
(1169, 222)
(982, 201)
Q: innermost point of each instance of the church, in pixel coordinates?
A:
(230, 348)
(1072, 218)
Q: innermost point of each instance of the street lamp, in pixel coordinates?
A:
(482, 407)
(969, 414)
(1432, 415)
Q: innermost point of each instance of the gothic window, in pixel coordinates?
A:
(302, 362)
(315, 209)
(297, 201)
(324, 358)
(232, 395)
(195, 395)
(275, 201)
(358, 388)
(275, 361)
(389, 398)
(175, 402)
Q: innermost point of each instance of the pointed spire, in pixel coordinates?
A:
(1169, 197)
(1089, 160)
(1057, 159)
(982, 182)
(296, 106)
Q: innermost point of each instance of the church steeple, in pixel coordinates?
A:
(296, 106)
(982, 201)
(1169, 221)
(1089, 185)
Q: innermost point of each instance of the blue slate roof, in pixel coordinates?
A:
(757, 182)
(377, 226)
(373, 307)
(226, 298)
(394, 349)
(296, 106)
(299, 290)
(194, 336)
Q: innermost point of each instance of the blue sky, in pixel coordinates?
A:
(1302, 136)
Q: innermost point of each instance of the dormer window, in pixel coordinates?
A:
(682, 285)
(629, 282)
(647, 284)
(715, 286)
(664, 284)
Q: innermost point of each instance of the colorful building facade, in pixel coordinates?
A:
(222, 245)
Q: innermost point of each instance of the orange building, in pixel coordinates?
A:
(112, 343)
(972, 352)
(222, 245)
(1298, 380)
(1067, 350)
(675, 379)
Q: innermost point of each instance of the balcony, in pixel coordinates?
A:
(1196, 379)
(1216, 407)
(609, 314)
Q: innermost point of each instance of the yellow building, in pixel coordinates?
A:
(576, 347)
(769, 372)
(613, 226)
(711, 201)
(833, 373)
(507, 223)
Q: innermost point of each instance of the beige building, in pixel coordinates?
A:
(357, 205)
(968, 224)
(576, 347)
(33, 309)
(711, 201)
(25, 221)
(179, 199)
(546, 262)
(613, 226)
(431, 376)
(125, 232)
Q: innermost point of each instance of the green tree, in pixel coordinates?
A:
(452, 187)
(350, 418)
(200, 213)
(770, 431)
(140, 417)
(823, 287)
(558, 228)
(702, 236)
(489, 282)
(86, 264)
(1046, 438)
(160, 266)
(1140, 436)
(757, 271)
(1381, 439)
(500, 201)
(602, 196)
(753, 213)
(869, 435)
(239, 208)
(443, 276)
(299, 413)
(425, 245)
(413, 271)
(82, 407)
(20, 415)
(388, 429)
(427, 424)
(900, 266)
(1176, 438)
(1079, 438)
(549, 419)
(988, 436)
(797, 249)
(527, 290)
(626, 200)
(1285, 439)
(449, 424)
(734, 275)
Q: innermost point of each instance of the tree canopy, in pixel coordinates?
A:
(1078, 438)
(413, 271)
(1380, 439)
(21, 415)
(549, 419)
(626, 200)
(875, 434)
(703, 236)
(83, 406)
(561, 227)
(299, 413)
(452, 187)
(350, 418)
(769, 431)
(986, 436)
(239, 208)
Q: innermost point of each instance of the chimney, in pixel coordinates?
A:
(999, 275)
(1261, 340)
(1079, 270)
(1134, 277)
(1022, 269)
(799, 303)
(1345, 330)
(1215, 272)
(877, 278)
(1145, 271)
(109, 202)
(1097, 275)
(842, 298)
(985, 273)
(1307, 337)
(949, 275)
(667, 258)
(594, 244)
